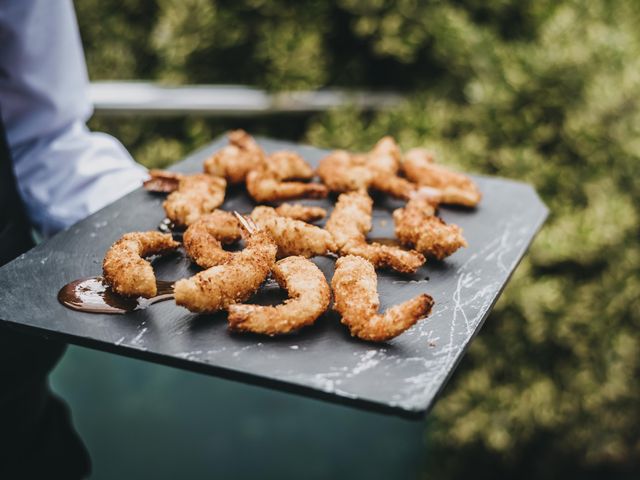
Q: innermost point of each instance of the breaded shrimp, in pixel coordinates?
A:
(196, 195)
(301, 212)
(356, 299)
(385, 156)
(394, 185)
(125, 269)
(204, 238)
(456, 188)
(309, 297)
(349, 223)
(293, 237)
(162, 181)
(266, 182)
(342, 171)
(234, 161)
(235, 281)
(417, 226)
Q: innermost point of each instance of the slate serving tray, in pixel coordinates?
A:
(401, 377)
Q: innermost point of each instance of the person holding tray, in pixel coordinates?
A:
(53, 172)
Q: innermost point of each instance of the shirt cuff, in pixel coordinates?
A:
(69, 175)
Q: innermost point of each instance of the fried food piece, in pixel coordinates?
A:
(349, 224)
(266, 182)
(419, 167)
(309, 297)
(196, 195)
(204, 238)
(237, 159)
(301, 212)
(356, 299)
(293, 237)
(385, 156)
(235, 281)
(342, 171)
(124, 267)
(162, 181)
(395, 186)
(417, 226)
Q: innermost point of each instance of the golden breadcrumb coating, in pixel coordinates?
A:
(455, 188)
(309, 297)
(385, 156)
(162, 181)
(234, 161)
(125, 269)
(393, 185)
(417, 226)
(349, 224)
(293, 237)
(196, 195)
(235, 281)
(342, 171)
(301, 212)
(354, 286)
(267, 182)
(204, 238)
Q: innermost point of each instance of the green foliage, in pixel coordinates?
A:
(543, 91)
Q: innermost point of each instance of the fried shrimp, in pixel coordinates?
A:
(124, 267)
(417, 226)
(267, 182)
(204, 238)
(196, 195)
(395, 186)
(301, 212)
(293, 237)
(385, 156)
(234, 281)
(234, 161)
(349, 223)
(162, 181)
(455, 188)
(356, 299)
(309, 297)
(342, 171)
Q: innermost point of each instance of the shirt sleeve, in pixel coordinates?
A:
(64, 171)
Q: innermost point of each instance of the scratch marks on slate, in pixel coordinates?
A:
(366, 362)
(470, 304)
(137, 341)
(426, 358)
(192, 355)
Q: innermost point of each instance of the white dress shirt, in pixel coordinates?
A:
(64, 171)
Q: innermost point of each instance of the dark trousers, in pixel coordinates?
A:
(37, 439)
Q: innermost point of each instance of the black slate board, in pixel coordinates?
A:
(401, 377)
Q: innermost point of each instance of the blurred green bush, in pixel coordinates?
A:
(543, 91)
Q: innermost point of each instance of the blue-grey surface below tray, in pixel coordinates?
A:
(402, 376)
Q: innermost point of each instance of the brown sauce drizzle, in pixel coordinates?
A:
(93, 295)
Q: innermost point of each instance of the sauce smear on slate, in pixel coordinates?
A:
(93, 295)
